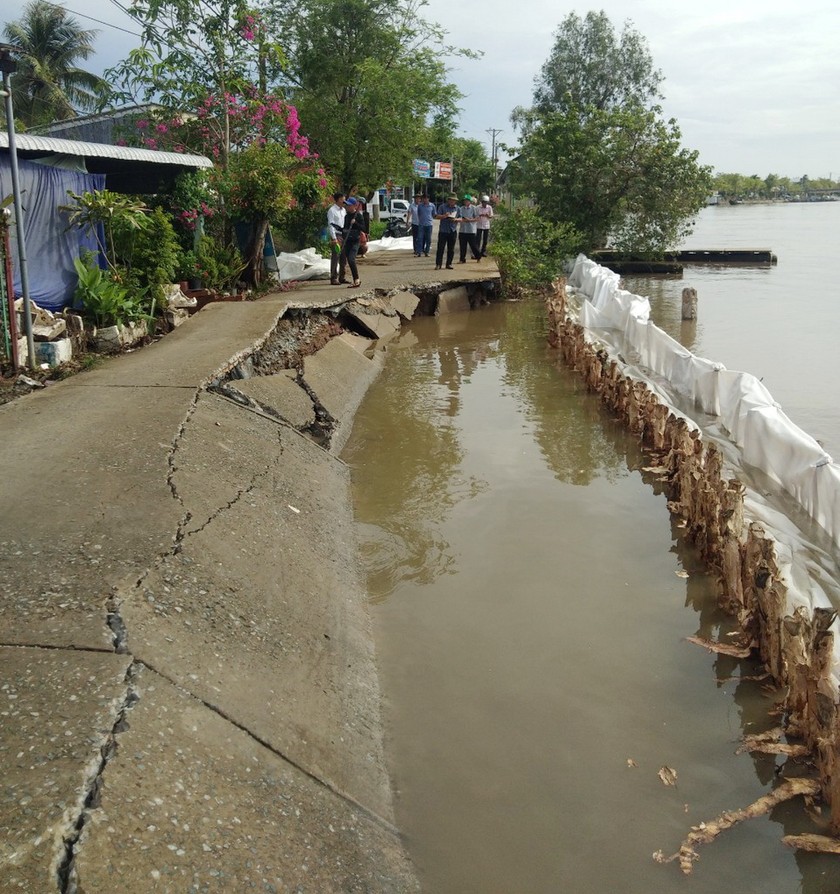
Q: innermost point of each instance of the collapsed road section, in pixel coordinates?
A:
(187, 680)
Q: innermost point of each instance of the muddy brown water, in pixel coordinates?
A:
(530, 607)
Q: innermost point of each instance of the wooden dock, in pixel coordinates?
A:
(672, 262)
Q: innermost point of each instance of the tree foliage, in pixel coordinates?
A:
(48, 85)
(607, 164)
(593, 68)
(529, 249)
(367, 78)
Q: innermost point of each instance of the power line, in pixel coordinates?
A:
(92, 19)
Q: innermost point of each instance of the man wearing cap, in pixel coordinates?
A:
(335, 225)
(485, 215)
(447, 214)
(468, 217)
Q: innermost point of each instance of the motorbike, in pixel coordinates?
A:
(396, 228)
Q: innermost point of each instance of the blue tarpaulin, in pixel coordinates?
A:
(50, 245)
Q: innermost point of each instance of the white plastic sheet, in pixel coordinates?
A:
(308, 264)
(765, 437)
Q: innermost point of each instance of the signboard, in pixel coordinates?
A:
(443, 170)
(422, 168)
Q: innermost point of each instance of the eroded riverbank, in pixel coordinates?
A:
(532, 596)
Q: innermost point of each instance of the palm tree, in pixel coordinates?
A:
(47, 85)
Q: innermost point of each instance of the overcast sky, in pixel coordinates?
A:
(753, 84)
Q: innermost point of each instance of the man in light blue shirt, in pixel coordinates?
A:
(425, 217)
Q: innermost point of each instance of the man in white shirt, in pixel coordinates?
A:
(335, 225)
(467, 217)
(485, 215)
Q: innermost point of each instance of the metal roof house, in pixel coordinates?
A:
(50, 167)
(126, 169)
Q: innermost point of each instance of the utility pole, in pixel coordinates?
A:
(8, 66)
(493, 131)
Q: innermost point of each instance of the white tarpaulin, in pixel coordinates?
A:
(307, 264)
(765, 437)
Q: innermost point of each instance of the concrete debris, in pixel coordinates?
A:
(405, 304)
(375, 320)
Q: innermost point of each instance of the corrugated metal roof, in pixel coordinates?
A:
(31, 143)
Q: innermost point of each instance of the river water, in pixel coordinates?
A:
(531, 596)
(777, 322)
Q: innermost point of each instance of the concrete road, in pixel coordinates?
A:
(188, 688)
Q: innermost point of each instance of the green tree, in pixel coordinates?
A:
(473, 167)
(258, 190)
(619, 174)
(599, 156)
(48, 86)
(210, 58)
(367, 78)
(591, 68)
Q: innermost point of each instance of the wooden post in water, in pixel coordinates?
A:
(689, 303)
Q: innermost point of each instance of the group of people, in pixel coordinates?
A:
(348, 226)
(469, 221)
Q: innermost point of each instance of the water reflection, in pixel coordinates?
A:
(533, 638)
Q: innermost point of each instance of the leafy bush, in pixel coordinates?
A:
(217, 264)
(103, 300)
(150, 254)
(114, 212)
(377, 229)
(302, 224)
(529, 250)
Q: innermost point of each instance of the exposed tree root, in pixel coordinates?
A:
(769, 743)
(723, 648)
(820, 844)
(705, 833)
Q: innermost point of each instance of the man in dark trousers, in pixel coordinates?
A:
(447, 214)
(335, 225)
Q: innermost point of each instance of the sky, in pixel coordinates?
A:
(753, 84)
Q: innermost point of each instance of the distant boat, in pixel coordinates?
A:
(713, 199)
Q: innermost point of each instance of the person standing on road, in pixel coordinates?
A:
(468, 217)
(413, 221)
(335, 225)
(354, 224)
(485, 215)
(425, 216)
(447, 214)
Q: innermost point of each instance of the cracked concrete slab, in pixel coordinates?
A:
(339, 376)
(262, 611)
(191, 803)
(357, 342)
(282, 394)
(404, 303)
(58, 711)
(89, 509)
(112, 499)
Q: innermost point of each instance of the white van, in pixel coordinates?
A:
(388, 208)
